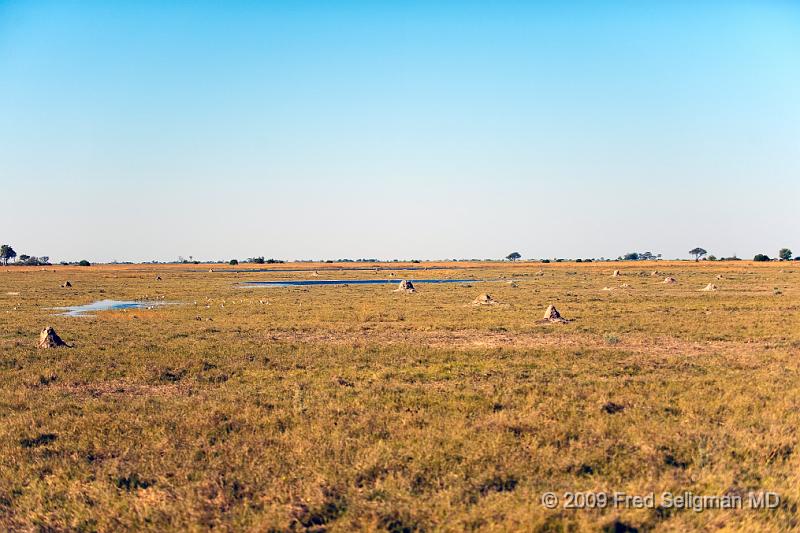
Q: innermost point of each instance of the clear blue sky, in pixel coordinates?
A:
(147, 130)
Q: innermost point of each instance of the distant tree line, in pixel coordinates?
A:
(260, 260)
(32, 260)
(784, 254)
(363, 260)
(256, 260)
(640, 256)
(7, 253)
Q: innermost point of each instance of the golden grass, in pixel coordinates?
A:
(340, 408)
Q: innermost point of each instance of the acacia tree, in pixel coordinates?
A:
(513, 256)
(785, 254)
(697, 253)
(6, 253)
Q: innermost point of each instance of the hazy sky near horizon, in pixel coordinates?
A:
(411, 129)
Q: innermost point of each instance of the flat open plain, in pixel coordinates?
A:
(356, 407)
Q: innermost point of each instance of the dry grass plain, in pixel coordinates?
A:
(346, 408)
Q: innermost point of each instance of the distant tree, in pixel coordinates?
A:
(633, 256)
(513, 256)
(30, 260)
(234, 262)
(84, 263)
(44, 260)
(785, 254)
(6, 253)
(256, 260)
(761, 257)
(712, 257)
(697, 253)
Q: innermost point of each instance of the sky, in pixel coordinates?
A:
(148, 130)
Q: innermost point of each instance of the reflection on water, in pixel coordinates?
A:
(105, 305)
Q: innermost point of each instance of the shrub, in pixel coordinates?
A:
(84, 263)
(545, 260)
(233, 262)
(761, 257)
